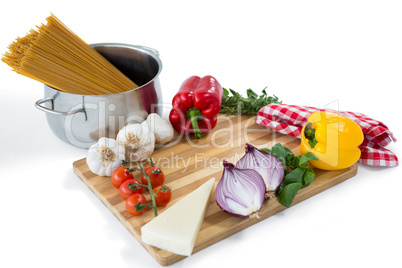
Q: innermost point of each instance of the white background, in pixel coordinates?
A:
(307, 52)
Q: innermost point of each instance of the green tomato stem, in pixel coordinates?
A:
(162, 189)
(149, 186)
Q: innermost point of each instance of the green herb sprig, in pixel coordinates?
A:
(237, 104)
(298, 172)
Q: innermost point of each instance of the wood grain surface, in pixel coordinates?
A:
(187, 163)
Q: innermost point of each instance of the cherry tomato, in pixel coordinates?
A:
(132, 203)
(158, 178)
(120, 175)
(125, 189)
(162, 197)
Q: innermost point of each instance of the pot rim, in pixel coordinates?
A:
(147, 50)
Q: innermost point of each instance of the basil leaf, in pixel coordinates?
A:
(295, 175)
(304, 165)
(278, 151)
(283, 161)
(288, 193)
(280, 188)
(265, 150)
(289, 156)
(294, 163)
(308, 176)
(288, 151)
(307, 157)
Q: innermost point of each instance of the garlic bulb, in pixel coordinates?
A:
(138, 141)
(105, 156)
(161, 128)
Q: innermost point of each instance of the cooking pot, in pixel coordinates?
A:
(82, 119)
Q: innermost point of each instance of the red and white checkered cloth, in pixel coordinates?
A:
(290, 119)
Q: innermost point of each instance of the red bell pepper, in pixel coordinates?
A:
(196, 106)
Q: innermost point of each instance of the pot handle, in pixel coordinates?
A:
(51, 111)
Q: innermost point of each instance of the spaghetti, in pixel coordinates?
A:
(52, 54)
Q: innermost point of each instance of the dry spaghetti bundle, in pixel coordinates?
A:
(52, 54)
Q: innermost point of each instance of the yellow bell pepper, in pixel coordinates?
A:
(333, 138)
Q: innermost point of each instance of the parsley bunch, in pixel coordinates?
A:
(237, 104)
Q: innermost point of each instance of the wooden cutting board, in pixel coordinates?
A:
(187, 163)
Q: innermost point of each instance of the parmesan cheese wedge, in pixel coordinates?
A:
(176, 229)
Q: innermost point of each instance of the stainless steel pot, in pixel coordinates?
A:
(82, 119)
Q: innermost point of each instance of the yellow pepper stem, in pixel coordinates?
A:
(309, 133)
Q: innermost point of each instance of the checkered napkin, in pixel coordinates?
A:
(290, 119)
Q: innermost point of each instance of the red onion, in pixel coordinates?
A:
(270, 168)
(240, 192)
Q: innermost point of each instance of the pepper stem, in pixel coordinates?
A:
(194, 115)
(309, 133)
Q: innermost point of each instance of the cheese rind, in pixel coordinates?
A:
(176, 229)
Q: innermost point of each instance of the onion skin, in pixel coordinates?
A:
(240, 192)
(270, 168)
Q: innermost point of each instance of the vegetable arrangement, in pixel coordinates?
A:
(258, 175)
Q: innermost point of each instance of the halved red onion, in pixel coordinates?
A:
(240, 192)
(270, 168)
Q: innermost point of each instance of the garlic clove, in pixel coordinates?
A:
(105, 156)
